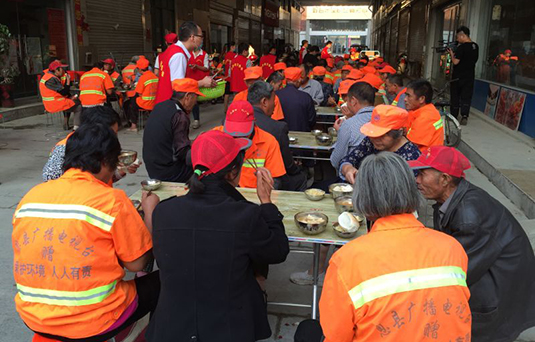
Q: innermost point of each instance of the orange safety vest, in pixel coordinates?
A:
(264, 152)
(127, 73)
(93, 86)
(52, 100)
(396, 100)
(400, 282)
(114, 76)
(329, 78)
(278, 114)
(147, 87)
(69, 236)
(426, 127)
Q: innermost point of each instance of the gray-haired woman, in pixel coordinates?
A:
(401, 281)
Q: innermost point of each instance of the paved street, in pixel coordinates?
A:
(24, 148)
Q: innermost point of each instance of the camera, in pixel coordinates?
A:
(443, 46)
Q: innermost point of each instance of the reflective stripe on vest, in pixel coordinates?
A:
(154, 80)
(250, 163)
(396, 100)
(148, 98)
(52, 99)
(331, 77)
(66, 298)
(42, 81)
(95, 92)
(405, 281)
(93, 75)
(67, 211)
(438, 124)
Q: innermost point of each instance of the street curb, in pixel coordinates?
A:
(11, 114)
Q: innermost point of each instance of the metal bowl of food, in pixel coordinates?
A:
(314, 194)
(332, 132)
(311, 222)
(293, 140)
(324, 139)
(347, 226)
(340, 189)
(127, 157)
(151, 184)
(316, 131)
(344, 204)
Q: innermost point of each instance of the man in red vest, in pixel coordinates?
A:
(198, 69)
(303, 51)
(267, 62)
(227, 62)
(173, 62)
(170, 39)
(237, 68)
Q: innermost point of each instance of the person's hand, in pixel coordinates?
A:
(338, 123)
(264, 185)
(331, 101)
(132, 168)
(149, 201)
(350, 173)
(207, 82)
(450, 51)
(345, 110)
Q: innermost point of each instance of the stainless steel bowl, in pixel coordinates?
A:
(344, 235)
(302, 221)
(316, 131)
(324, 139)
(344, 203)
(127, 157)
(332, 132)
(337, 189)
(314, 194)
(151, 184)
(293, 140)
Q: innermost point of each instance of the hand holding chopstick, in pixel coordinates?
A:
(264, 185)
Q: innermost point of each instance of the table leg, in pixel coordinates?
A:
(315, 274)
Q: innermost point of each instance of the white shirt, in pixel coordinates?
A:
(178, 63)
(156, 62)
(206, 62)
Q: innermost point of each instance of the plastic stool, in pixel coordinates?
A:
(141, 119)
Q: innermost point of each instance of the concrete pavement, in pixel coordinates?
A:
(24, 148)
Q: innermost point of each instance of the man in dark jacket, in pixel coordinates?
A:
(166, 141)
(298, 106)
(262, 97)
(501, 263)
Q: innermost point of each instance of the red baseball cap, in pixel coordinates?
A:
(56, 64)
(279, 66)
(444, 159)
(186, 85)
(109, 61)
(293, 73)
(215, 150)
(384, 119)
(239, 121)
(253, 73)
(253, 57)
(171, 38)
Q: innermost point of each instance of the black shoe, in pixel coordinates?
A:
(464, 121)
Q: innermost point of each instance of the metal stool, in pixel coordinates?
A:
(50, 117)
(141, 119)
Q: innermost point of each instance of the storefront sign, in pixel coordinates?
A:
(338, 12)
(57, 33)
(270, 13)
(79, 22)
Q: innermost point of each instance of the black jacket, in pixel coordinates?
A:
(501, 263)
(205, 246)
(298, 108)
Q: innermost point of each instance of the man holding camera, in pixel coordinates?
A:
(464, 63)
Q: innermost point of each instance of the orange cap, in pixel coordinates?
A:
(387, 69)
(142, 63)
(293, 73)
(368, 70)
(355, 74)
(343, 89)
(253, 73)
(384, 119)
(347, 68)
(186, 85)
(279, 66)
(319, 71)
(373, 80)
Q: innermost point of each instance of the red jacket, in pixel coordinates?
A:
(239, 64)
(267, 62)
(165, 91)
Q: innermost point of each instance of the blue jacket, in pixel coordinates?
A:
(298, 108)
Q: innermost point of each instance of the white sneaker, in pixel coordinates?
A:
(304, 278)
(196, 124)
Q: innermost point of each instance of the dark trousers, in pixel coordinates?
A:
(133, 113)
(461, 96)
(148, 291)
(309, 331)
(196, 112)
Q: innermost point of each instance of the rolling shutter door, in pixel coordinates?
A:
(115, 28)
(403, 31)
(386, 40)
(256, 37)
(417, 31)
(393, 39)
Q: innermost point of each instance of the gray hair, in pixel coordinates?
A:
(385, 186)
(258, 91)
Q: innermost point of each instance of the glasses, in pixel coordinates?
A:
(198, 35)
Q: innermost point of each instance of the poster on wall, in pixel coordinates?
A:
(510, 107)
(492, 100)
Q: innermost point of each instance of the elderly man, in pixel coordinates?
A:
(401, 281)
(501, 264)
(166, 143)
(262, 97)
(395, 88)
(426, 128)
(310, 86)
(298, 106)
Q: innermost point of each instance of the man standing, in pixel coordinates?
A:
(298, 106)
(227, 63)
(166, 143)
(426, 128)
(267, 62)
(395, 88)
(311, 87)
(170, 39)
(173, 62)
(198, 69)
(237, 68)
(501, 264)
(311, 58)
(262, 97)
(464, 61)
(303, 50)
(326, 52)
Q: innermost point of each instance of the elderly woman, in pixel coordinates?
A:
(208, 245)
(401, 281)
(385, 132)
